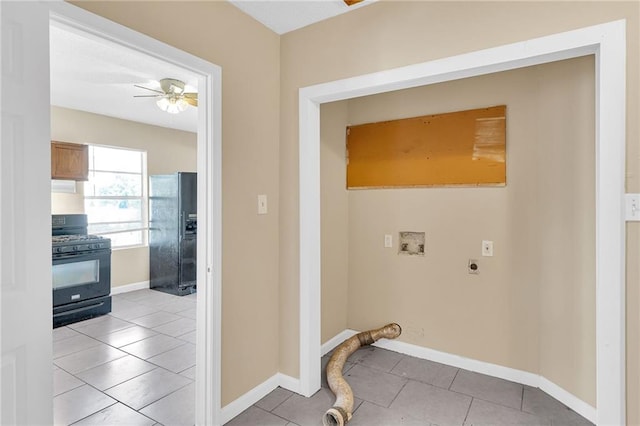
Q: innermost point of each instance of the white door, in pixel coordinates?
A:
(25, 216)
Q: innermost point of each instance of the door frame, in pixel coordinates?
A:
(209, 167)
(608, 43)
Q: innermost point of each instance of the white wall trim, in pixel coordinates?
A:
(607, 42)
(209, 145)
(129, 287)
(336, 340)
(289, 383)
(470, 364)
(240, 404)
(586, 410)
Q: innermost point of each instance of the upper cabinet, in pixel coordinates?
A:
(69, 161)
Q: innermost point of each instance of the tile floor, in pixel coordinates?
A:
(393, 389)
(136, 366)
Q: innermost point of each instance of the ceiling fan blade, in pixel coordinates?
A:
(351, 2)
(153, 90)
(191, 98)
(147, 96)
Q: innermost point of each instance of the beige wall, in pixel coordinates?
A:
(390, 34)
(334, 215)
(532, 307)
(249, 55)
(167, 150)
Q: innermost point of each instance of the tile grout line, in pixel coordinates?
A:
(286, 399)
(468, 411)
(79, 420)
(397, 394)
(454, 379)
(273, 414)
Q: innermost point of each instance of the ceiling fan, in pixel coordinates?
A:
(172, 98)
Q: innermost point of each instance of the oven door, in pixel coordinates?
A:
(78, 277)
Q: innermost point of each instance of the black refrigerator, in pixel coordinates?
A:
(173, 228)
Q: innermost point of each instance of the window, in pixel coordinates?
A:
(115, 195)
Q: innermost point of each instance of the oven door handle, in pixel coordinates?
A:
(73, 311)
(77, 255)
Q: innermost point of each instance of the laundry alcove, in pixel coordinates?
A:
(532, 306)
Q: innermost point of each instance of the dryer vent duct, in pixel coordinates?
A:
(342, 409)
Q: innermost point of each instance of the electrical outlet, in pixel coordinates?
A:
(487, 248)
(388, 241)
(473, 267)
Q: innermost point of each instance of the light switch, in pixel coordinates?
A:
(487, 248)
(262, 204)
(632, 212)
(388, 241)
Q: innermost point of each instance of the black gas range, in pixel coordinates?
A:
(81, 271)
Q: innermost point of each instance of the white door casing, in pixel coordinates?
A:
(608, 43)
(25, 220)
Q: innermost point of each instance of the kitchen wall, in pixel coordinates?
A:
(168, 151)
(532, 306)
(392, 34)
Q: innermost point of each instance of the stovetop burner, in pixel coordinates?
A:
(56, 239)
(66, 244)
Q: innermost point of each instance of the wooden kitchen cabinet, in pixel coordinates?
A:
(69, 161)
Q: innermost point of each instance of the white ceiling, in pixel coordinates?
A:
(283, 16)
(98, 76)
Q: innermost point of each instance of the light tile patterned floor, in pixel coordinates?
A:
(136, 366)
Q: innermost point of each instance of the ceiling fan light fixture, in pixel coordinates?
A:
(172, 98)
(172, 104)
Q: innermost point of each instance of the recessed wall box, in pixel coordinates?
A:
(411, 243)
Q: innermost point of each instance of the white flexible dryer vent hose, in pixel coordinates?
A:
(342, 409)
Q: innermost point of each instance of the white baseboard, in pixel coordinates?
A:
(129, 287)
(236, 407)
(576, 404)
(494, 370)
(289, 383)
(336, 340)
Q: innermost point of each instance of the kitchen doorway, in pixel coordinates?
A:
(208, 335)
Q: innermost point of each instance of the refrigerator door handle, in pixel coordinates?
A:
(183, 224)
